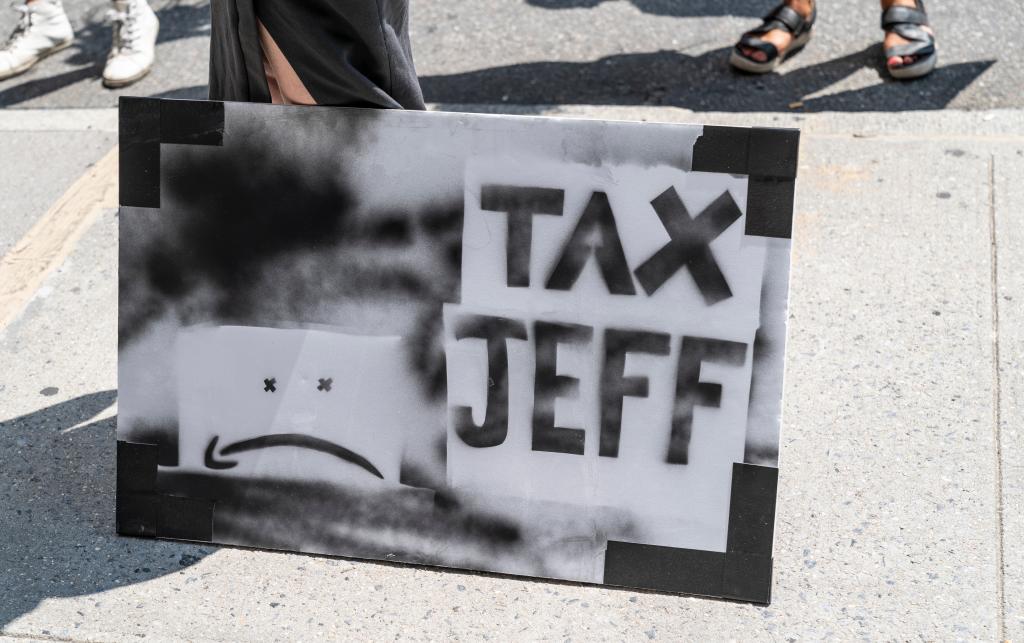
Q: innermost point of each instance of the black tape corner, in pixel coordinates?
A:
(145, 123)
(747, 572)
(192, 122)
(742, 573)
(752, 509)
(774, 152)
(667, 569)
(136, 514)
(185, 518)
(721, 149)
(772, 166)
(136, 466)
(747, 577)
(770, 207)
(142, 510)
(135, 502)
(139, 152)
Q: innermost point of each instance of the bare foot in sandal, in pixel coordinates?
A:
(780, 37)
(909, 40)
(781, 33)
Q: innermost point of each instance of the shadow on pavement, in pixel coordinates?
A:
(699, 83)
(37, 87)
(92, 43)
(57, 511)
(675, 8)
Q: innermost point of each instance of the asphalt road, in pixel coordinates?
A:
(598, 52)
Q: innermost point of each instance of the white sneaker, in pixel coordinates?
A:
(42, 30)
(131, 55)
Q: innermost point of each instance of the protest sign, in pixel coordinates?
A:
(535, 346)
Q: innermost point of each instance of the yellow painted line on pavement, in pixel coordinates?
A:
(45, 246)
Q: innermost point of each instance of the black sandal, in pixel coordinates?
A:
(909, 23)
(781, 17)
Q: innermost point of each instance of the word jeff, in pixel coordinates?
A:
(614, 384)
(689, 238)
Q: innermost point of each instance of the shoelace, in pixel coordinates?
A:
(24, 22)
(126, 31)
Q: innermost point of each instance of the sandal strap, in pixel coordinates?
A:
(912, 32)
(916, 48)
(782, 17)
(792, 20)
(897, 15)
(908, 23)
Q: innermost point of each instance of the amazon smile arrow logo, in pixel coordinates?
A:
(284, 440)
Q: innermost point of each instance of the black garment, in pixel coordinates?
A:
(353, 53)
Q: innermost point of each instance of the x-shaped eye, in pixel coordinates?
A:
(268, 385)
(325, 384)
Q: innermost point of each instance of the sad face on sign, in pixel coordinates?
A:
(293, 404)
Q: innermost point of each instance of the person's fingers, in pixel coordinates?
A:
(908, 60)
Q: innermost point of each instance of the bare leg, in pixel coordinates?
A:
(286, 88)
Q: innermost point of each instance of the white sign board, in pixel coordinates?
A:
(532, 346)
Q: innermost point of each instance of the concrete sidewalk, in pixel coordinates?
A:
(900, 508)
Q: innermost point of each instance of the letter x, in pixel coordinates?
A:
(689, 245)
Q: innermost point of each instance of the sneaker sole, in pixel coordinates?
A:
(29, 65)
(124, 82)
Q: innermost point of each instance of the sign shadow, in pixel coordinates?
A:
(57, 511)
(701, 83)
